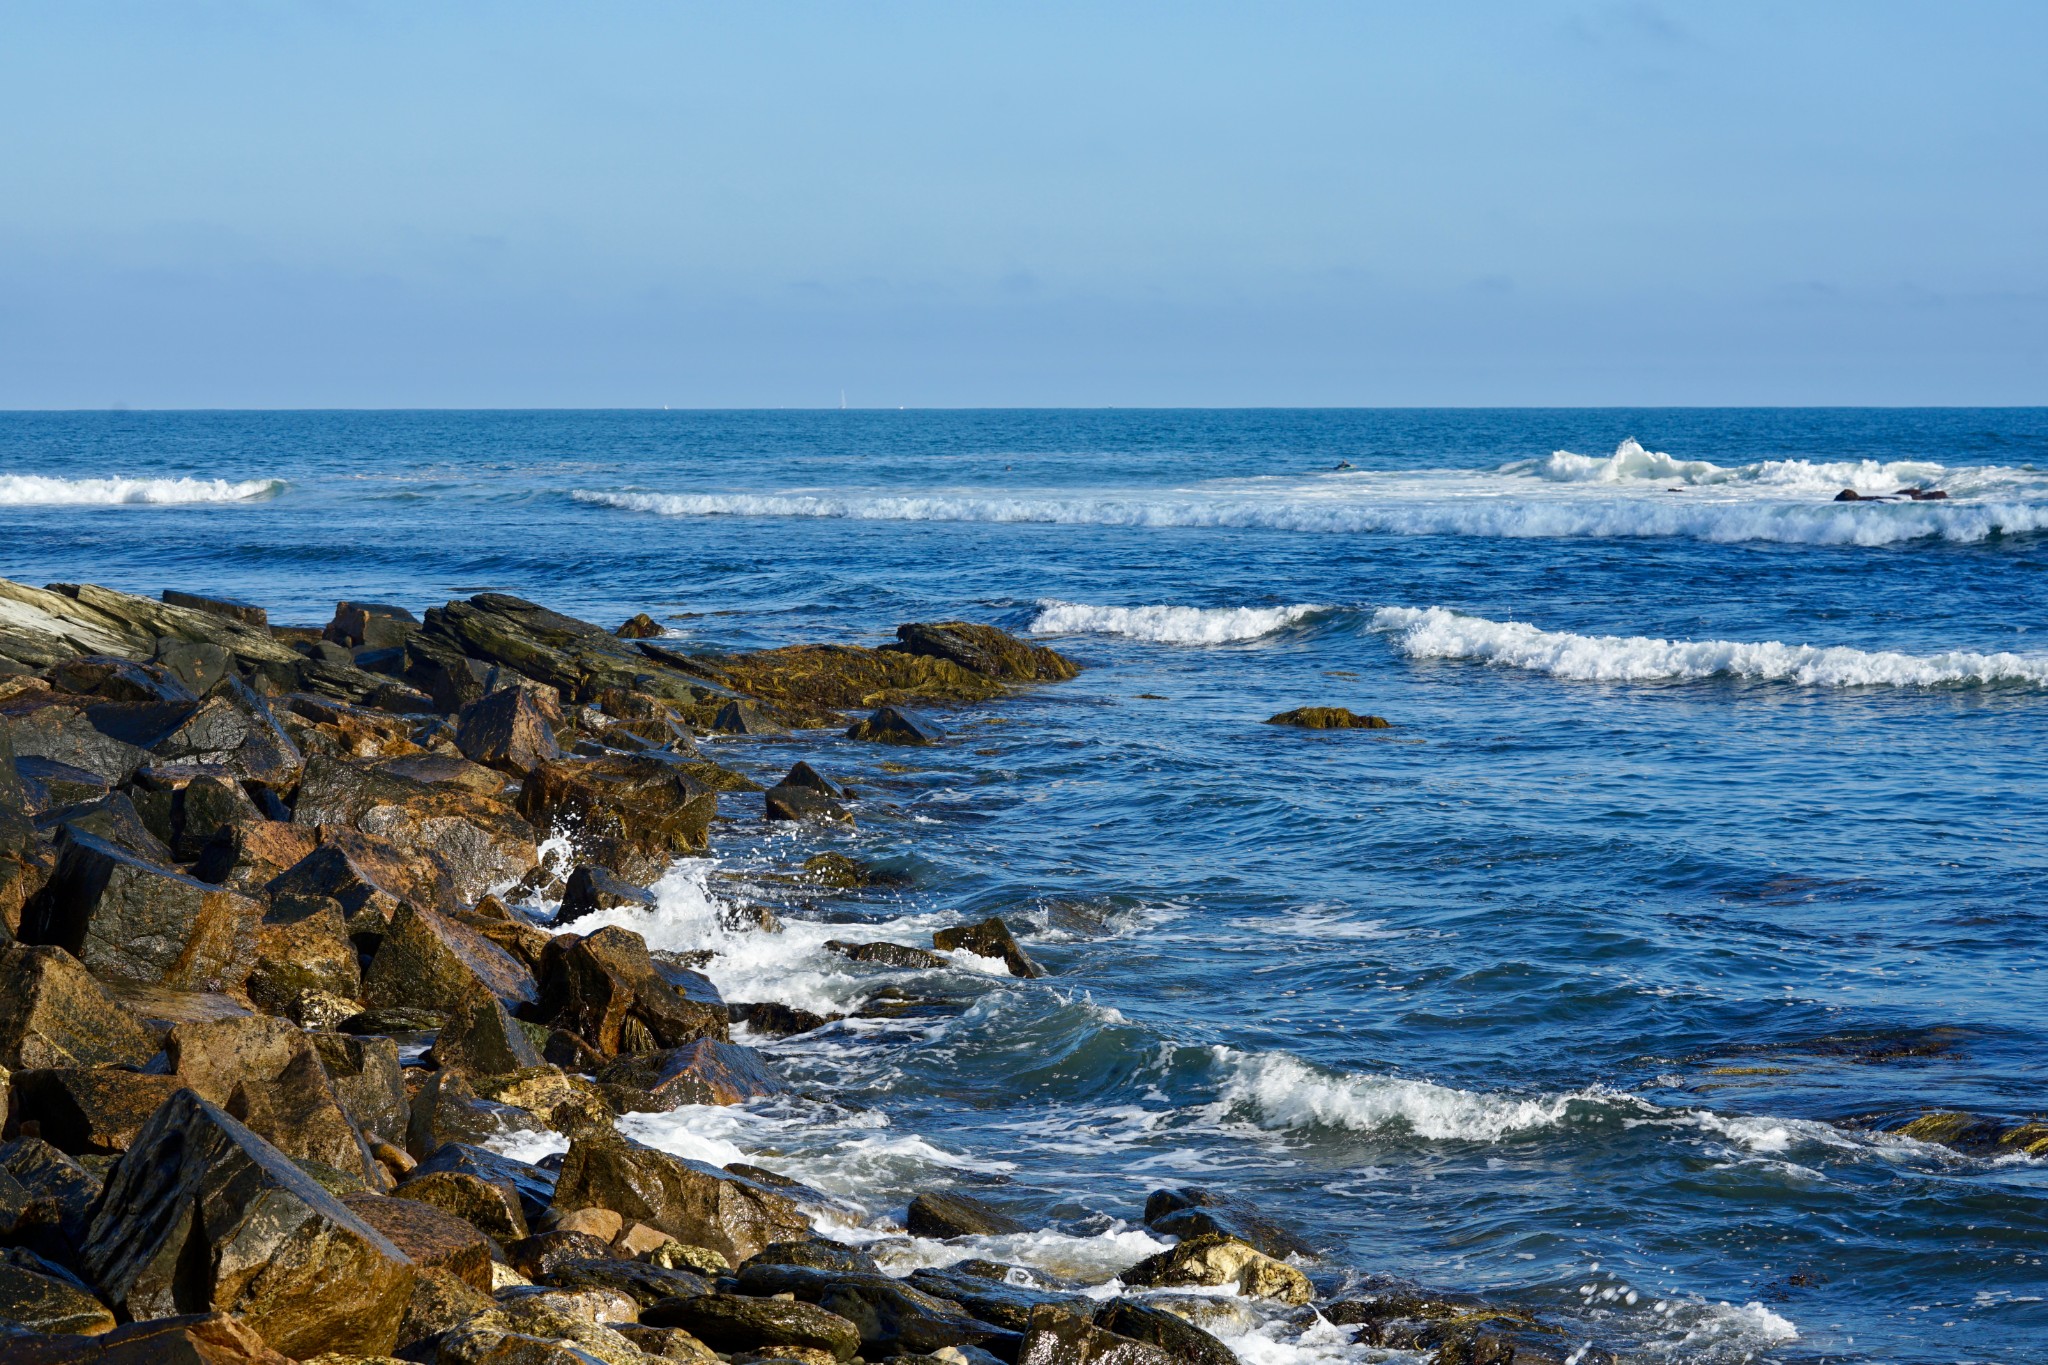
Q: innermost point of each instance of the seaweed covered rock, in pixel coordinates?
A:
(984, 650)
(201, 1215)
(1328, 718)
(695, 1203)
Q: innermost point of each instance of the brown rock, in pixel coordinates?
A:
(596, 986)
(214, 1057)
(370, 625)
(1329, 718)
(433, 1239)
(990, 938)
(506, 730)
(630, 814)
(640, 627)
(248, 856)
(429, 961)
(185, 1339)
(592, 889)
(40, 1297)
(53, 1014)
(707, 1071)
(448, 1109)
(440, 1300)
(1057, 1338)
(492, 1207)
(203, 1215)
(603, 1224)
(735, 1322)
(1209, 1261)
(957, 1215)
(693, 1202)
(303, 946)
(126, 919)
(482, 1039)
(84, 1112)
(561, 1101)
(368, 1082)
(478, 840)
(985, 650)
(298, 1113)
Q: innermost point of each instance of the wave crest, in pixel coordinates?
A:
(1437, 633)
(38, 490)
(1168, 625)
(1631, 462)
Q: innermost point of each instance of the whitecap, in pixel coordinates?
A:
(1167, 624)
(37, 490)
(1438, 633)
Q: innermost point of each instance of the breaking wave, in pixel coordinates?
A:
(1456, 503)
(1630, 461)
(1436, 633)
(37, 490)
(1168, 625)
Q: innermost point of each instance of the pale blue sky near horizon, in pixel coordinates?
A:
(1143, 204)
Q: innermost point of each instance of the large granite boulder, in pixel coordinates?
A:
(54, 1014)
(506, 730)
(202, 1215)
(269, 1074)
(1056, 1338)
(490, 1206)
(734, 1323)
(633, 814)
(130, 920)
(607, 990)
(368, 1082)
(708, 1071)
(957, 1215)
(697, 1204)
(41, 1296)
(434, 962)
(431, 1238)
(478, 840)
(481, 1038)
(84, 1112)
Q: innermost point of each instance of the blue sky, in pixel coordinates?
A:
(632, 204)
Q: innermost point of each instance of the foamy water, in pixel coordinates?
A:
(36, 490)
(1438, 633)
(1167, 624)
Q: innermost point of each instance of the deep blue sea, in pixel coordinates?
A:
(1711, 840)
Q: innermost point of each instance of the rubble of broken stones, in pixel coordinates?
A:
(246, 871)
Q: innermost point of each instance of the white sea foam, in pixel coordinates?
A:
(1167, 625)
(1631, 462)
(1626, 494)
(1436, 633)
(37, 490)
(1282, 1092)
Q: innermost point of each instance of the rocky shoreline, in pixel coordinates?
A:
(273, 989)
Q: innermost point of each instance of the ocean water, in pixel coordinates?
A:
(1710, 842)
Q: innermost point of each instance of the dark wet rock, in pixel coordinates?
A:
(639, 627)
(592, 889)
(1328, 718)
(990, 938)
(185, 1339)
(327, 874)
(1193, 1211)
(48, 785)
(695, 1203)
(234, 730)
(836, 869)
(646, 1284)
(707, 1071)
(667, 1343)
(894, 725)
(130, 920)
(985, 650)
(734, 1322)
(575, 657)
(802, 774)
(1456, 1329)
(739, 717)
(790, 801)
(446, 770)
(778, 1020)
(1057, 1338)
(42, 1297)
(303, 946)
(203, 1215)
(893, 1317)
(481, 1038)
(957, 1215)
(368, 1082)
(491, 1206)
(815, 1253)
(111, 678)
(1849, 495)
(432, 1239)
(562, 1101)
(630, 814)
(430, 961)
(439, 1301)
(540, 1255)
(601, 985)
(55, 1200)
(506, 730)
(533, 1186)
(200, 668)
(247, 857)
(478, 840)
(994, 1301)
(370, 625)
(86, 1111)
(447, 1109)
(114, 818)
(1211, 1261)
(887, 954)
(1179, 1339)
(54, 1014)
(197, 801)
(219, 604)
(63, 735)
(527, 1328)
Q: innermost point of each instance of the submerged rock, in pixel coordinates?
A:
(887, 954)
(1328, 718)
